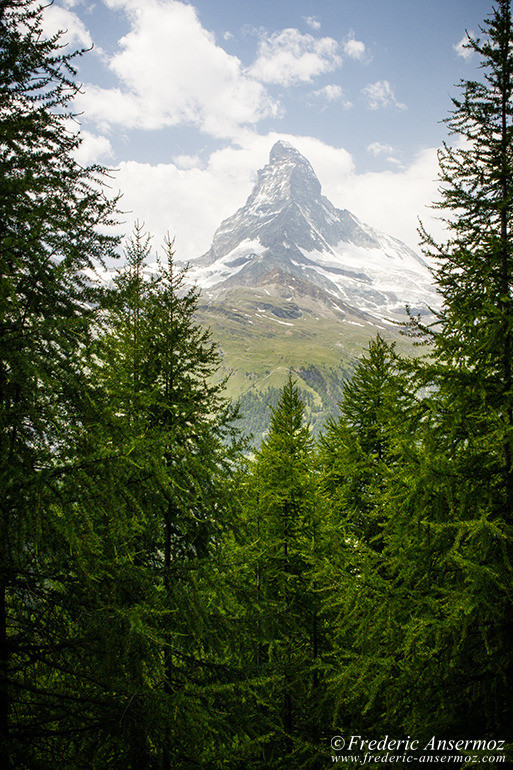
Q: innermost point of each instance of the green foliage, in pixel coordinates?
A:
(360, 455)
(278, 545)
(53, 214)
(173, 428)
(167, 602)
(419, 466)
(472, 342)
(471, 416)
(359, 449)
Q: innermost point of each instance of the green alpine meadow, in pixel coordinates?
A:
(255, 511)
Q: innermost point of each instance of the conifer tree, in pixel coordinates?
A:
(472, 341)
(53, 214)
(283, 512)
(470, 411)
(429, 647)
(193, 418)
(158, 367)
(359, 447)
(360, 454)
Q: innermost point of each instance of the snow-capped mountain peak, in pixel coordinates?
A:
(287, 177)
(287, 224)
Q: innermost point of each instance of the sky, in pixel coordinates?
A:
(184, 100)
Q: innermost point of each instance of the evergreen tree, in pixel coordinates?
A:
(53, 215)
(283, 511)
(427, 645)
(173, 423)
(360, 455)
(470, 413)
(472, 342)
(358, 449)
(194, 419)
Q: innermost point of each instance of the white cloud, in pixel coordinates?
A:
(392, 200)
(172, 72)
(461, 47)
(288, 57)
(56, 19)
(377, 149)
(355, 49)
(189, 199)
(93, 149)
(112, 105)
(313, 22)
(187, 161)
(332, 93)
(381, 94)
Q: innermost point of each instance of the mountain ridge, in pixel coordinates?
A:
(287, 223)
(293, 284)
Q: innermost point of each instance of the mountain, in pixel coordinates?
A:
(292, 282)
(288, 226)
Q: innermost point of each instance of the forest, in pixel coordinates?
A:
(169, 599)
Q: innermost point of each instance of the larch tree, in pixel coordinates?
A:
(282, 512)
(469, 522)
(358, 448)
(432, 622)
(360, 454)
(53, 216)
(168, 409)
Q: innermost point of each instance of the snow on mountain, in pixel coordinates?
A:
(288, 225)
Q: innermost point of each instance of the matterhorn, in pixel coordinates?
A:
(288, 229)
(292, 283)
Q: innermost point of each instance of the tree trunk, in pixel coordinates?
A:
(5, 758)
(168, 663)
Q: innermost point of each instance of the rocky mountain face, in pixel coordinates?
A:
(288, 229)
(291, 282)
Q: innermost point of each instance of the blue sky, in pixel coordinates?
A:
(185, 100)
